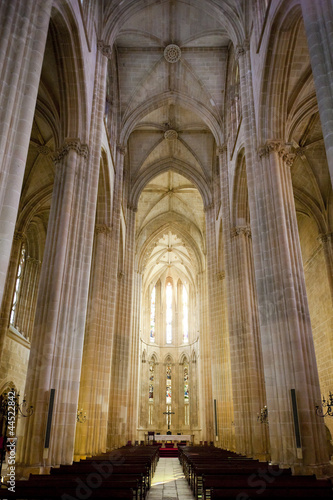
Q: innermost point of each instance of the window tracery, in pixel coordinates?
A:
(18, 284)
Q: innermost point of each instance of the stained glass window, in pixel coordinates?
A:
(151, 381)
(169, 313)
(185, 314)
(152, 314)
(186, 395)
(168, 384)
(18, 283)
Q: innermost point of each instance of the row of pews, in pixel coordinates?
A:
(214, 474)
(125, 473)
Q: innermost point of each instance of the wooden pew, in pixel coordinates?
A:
(63, 492)
(125, 474)
(259, 484)
(272, 494)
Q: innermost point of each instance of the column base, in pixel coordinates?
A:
(23, 472)
(321, 471)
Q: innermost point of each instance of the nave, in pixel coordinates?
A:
(199, 472)
(166, 229)
(169, 482)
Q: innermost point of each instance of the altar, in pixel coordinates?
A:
(171, 437)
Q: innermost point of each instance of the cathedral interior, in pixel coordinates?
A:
(166, 217)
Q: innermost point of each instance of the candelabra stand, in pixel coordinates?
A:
(10, 408)
(81, 416)
(263, 417)
(328, 404)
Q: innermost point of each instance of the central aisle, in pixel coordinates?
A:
(169, 482)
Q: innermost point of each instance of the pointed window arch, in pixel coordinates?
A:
(18, 284)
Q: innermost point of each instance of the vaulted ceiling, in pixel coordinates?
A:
(172, 62)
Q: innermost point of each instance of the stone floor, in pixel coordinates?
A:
(169, 482)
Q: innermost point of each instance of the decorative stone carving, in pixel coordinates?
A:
(277, 147)
(220, 275)
(300, 153)
(221, 149)
(103, 228)
(43, 150)
(238, 230)
(242, 49)
(19, 236)
(104, 48)
(324, 238)
(208, 207)
(170, 135)
(32, 260)
(75, 145)
(172, 53)
(134, 208)
(121, 149)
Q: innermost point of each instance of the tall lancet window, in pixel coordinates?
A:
(185, 315)
(169, 313)
(151, 381)
(186, 396)
(18, 284)
(152, 314)
(168, 384)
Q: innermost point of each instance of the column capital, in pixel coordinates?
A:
(33, 260)
(43, 150)
(208, 207)
(300, 152)
(241, 49)
(220, 150)
(325, 237)
(71, 144)
(104, 48)
(283, 150)
(121, 149)
(19, 236)
(238, 230)
(132, 207)
(220, 275)
(104, 229)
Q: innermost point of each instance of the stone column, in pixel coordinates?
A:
(91, 436)
(55, 357)
(95, 373)
(193, 392)
(285, 328)
(246, 357)
(327, 244)
(122, 340)
(205, 380)
(144, 375)
(134, 365)
(245, 350)
(318, 21)
(23, 31)
(56, 352)
(219, 345)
